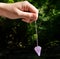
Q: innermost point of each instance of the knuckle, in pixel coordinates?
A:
(26, 2)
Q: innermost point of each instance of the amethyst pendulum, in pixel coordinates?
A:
(37, 48)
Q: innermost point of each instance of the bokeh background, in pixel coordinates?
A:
(17, 38)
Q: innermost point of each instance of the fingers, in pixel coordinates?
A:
(31, 8)
(29, 16)
(26, 14)
(27, 20)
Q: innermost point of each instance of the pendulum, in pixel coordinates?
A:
(37, 48)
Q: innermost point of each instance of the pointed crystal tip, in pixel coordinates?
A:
(38, 50)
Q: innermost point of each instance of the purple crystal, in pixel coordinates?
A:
(38, 50)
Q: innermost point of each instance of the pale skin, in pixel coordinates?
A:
(24, 10)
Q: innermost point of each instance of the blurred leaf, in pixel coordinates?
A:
(35, 36)
(42, 28)
(10, 1)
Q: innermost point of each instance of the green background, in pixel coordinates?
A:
(18, 37)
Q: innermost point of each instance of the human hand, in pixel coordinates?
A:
(23, 10)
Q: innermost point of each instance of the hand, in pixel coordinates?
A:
(23, 10)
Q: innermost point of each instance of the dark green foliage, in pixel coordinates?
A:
(17, 34)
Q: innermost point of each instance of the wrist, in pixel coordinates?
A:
(2, 8)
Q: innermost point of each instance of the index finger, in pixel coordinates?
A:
(31, 8)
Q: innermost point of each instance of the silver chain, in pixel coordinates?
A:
(36, 32)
